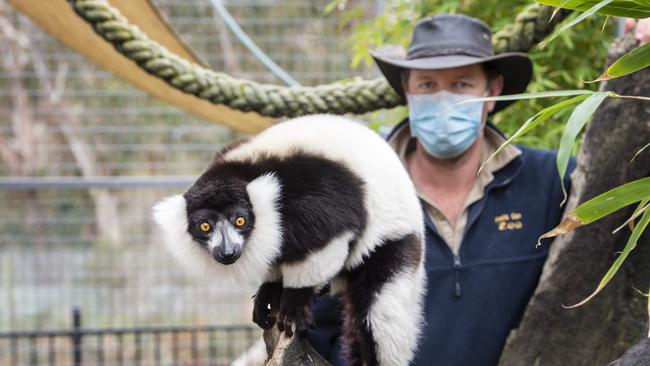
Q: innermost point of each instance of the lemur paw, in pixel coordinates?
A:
(267, 304)
(295, 310)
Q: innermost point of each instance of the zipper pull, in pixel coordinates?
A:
(456, 261)
(457, 266)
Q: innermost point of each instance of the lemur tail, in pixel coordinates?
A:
(383, 308)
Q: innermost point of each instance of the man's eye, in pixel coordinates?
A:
(425, 85)
(462, 84)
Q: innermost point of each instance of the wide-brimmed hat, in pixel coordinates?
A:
(454, 40)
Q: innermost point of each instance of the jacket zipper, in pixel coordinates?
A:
(457, 291)
(456, 257)
(457, 267)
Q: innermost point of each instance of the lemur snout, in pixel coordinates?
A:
(225, 255)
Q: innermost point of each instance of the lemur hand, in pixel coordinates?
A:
(295, 310)
(267, 304)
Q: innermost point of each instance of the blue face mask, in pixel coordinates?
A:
(443, 131)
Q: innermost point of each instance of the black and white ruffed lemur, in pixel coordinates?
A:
(309, 202)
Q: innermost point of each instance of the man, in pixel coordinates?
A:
(481, 230)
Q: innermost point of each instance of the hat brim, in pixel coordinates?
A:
(515, 67)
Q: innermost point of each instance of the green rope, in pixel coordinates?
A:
(272, 100)
(530, 27)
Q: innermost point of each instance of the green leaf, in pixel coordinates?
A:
(635, 60)
(576, 122)
(577, 20)
(603, 205)
(562, 5)
(613, 200)
(546, 94)
(640, 151)
(637, 212)
(538, 118)
(629, 246)
(619, 8)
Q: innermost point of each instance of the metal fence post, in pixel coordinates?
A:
(76, 336)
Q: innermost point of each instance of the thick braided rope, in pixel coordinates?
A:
(273, 100)
(530, 27)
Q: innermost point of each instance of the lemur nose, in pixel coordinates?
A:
(216, 254)
(226, 256)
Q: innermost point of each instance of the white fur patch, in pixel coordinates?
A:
(266, 239)
(258, 253)
(396, 318)
(319, 267)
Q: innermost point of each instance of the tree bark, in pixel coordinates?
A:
(285, 351)
(603, 329)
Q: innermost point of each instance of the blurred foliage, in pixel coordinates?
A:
(578, 54)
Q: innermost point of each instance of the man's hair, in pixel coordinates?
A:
(491, 72)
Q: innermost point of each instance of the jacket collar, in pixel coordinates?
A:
(502, 176)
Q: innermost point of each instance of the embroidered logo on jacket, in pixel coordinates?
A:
(511, 221)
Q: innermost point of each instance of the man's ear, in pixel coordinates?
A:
(495, 87)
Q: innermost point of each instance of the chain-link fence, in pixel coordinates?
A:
(83, 156)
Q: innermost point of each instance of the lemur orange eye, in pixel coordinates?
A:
(205, 227)
(240, 221)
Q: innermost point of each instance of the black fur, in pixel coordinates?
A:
(267, 304)
(295, 305)
(363, 284)
(320, 198)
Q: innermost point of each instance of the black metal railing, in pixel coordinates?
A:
(156, 345)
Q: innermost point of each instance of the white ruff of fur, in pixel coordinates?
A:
(396, 323)
(320, 266)
(261, 249)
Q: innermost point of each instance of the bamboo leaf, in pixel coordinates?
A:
(603, 205)
(648, 296)
(637, 212)
(577, 20)
(562, 5)
(580, 116)
(640, 292)
(535, 120)
(613, 200)
(546, 94)
(629, 246)
(635, 60)
(640, 151)
(619, 8)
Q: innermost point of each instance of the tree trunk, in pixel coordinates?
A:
(603, 329)
(285, 351)
(638, 355)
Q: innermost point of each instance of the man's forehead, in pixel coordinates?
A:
(461, 71)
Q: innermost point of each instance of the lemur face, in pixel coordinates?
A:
(220, 217)
(223, 220)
